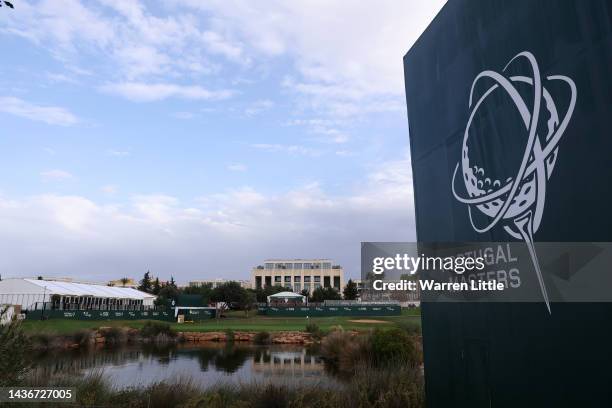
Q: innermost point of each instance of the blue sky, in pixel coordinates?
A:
(197, 138)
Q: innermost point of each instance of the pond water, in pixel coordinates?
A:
(207, 365)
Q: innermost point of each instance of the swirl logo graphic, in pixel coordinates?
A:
(517, 202)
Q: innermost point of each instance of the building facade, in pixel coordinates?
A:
(216, 282)
(298, 274)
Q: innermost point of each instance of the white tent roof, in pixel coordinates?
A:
(83, 289)
(283, 295)
(287, 296)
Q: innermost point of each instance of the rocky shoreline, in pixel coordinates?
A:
(116, 336)
(283, 337)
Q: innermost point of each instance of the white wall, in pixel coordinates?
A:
(26, 300)
(21, 292)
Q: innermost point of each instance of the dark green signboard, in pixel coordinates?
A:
(101, 315)
(509, 109)
(197, 314)
(365, 310)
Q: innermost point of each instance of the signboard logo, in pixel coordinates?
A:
(517, 202)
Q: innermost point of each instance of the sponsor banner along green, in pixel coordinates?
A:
(167, 315)
(369, 310)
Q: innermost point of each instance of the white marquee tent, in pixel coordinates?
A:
(286, 297)
(29, 292)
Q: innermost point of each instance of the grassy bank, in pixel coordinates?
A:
(235, 321)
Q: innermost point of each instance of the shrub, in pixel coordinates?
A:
(153, 329)
(344, 352)
(81, 337)
(399, 387)
(213, 399)
(411, 327)
(41, 340)
(393, 345)
(15, 359)
(113, 335)
(272, 396)
(229, 335)
(262, 337)
(172, 393)
(93, 389)
(314, 330)
(333, 345)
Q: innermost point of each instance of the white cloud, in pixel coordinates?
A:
(118, 153)
(293, 149)
(156, 208)
(184, 115)
(343, 51)
(347, 56)
(237, 167)
(60, 78)
(327, 130)
(150, 92)
(52, 115)
(109, 189)
(128, 37)
(55, 175)
(258, 107)
(215, 43)
(232, 231)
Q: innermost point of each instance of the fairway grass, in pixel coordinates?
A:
(236, 321)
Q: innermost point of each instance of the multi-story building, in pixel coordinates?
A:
(216, 282)
(298, 274)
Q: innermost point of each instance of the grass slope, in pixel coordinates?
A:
(234, 321)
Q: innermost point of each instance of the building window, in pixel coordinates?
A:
(307, 266)
(316, 266)
(269, 265)
(307, 287)
(288, 266)
(306, 279)
(298, 266)
(287, 279)
(279, 266)
(277, 279)
(297, 279)
(317, 279)
(326, 265)
(297, 287)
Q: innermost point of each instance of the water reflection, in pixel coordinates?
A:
(209, 364)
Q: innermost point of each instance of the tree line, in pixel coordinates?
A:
(234, 295)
